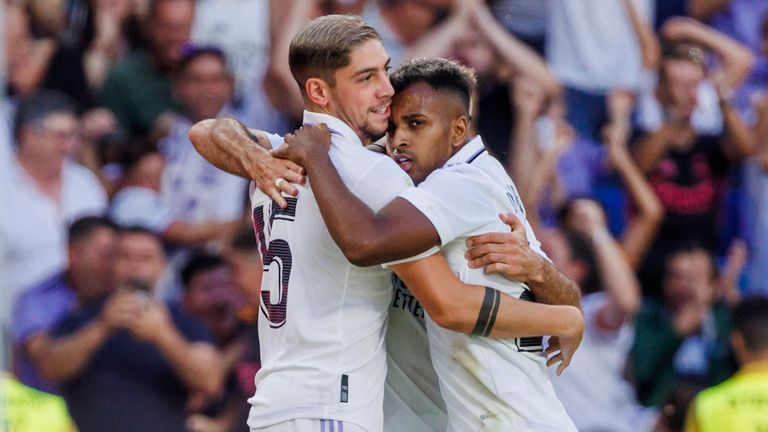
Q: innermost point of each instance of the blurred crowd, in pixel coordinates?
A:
(635, 130)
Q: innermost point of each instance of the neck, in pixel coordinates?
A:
(324, 110)
(43, 171)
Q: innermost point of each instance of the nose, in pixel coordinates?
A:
(386, 90)
(398, 140)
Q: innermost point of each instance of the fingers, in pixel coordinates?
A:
(490, 258)
(276, 197)
(563, 365)
(554, 345)
(489, 238)
(554, 359)
(512, 220)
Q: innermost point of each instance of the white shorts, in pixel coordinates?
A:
(311, 425)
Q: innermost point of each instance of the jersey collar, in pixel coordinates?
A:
(468, 153)
(336, 126)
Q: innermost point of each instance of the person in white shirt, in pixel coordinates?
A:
(41, 193)
(322, 330)
(487, 383)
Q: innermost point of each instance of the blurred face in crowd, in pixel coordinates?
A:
(212, 296)
(679, 86)
(50, 140)
(140, 256)
(204, 87)
(91, 260)
(418, 16)
(556, 246)
(470, 50)
(361, 93)
(427, 127)
(147, 172)
(689, 278)
(171, 26)
(247, 269)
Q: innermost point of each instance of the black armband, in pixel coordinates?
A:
(487, 316)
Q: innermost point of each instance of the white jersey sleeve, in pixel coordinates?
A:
(458, 199)
(454, 200)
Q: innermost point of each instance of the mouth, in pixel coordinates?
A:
(382, 110)
(404, 161)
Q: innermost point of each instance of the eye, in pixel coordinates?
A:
(387, 69)
(366, 78)
(414, 123)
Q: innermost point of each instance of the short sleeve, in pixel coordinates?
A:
(27, 319)
(141, 207)
(457, 200)
(381, 183)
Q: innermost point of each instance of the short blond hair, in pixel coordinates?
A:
(323, 45)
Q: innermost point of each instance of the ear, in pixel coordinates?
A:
(739, 345)
(459, 130)
(318, 92)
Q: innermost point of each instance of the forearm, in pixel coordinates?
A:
(649, 43)
(365, 238)
(552, 287)
(194, 234)
(227, 144)
(64, 358)
(521, 162)
(474, 309)
(198, 365)
(736, 58)
(651, 149)
(279, 84)
(739, 139)
(617, 278)
(643, 226)
(438, 41)
(518, 55)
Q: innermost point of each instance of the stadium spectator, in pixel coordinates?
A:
(686, 38)
(210, 295)
(90, 250)
(592, 50)
(685, 167)
(105, 31)
(42, 63)
(739, 402)
(134, 345)
(138, 203)
(245, 38)
(42, 193)
(243, 256)
(512, 78)
(195, 190)
(685, 335)
(138, 88)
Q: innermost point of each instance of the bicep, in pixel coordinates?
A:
(404, 231)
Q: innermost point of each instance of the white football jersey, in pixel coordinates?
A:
(487, 384)
(412, 400)
(322, 322)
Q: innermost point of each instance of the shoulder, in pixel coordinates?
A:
(81, 176)
(85, 183)
(462, 179)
